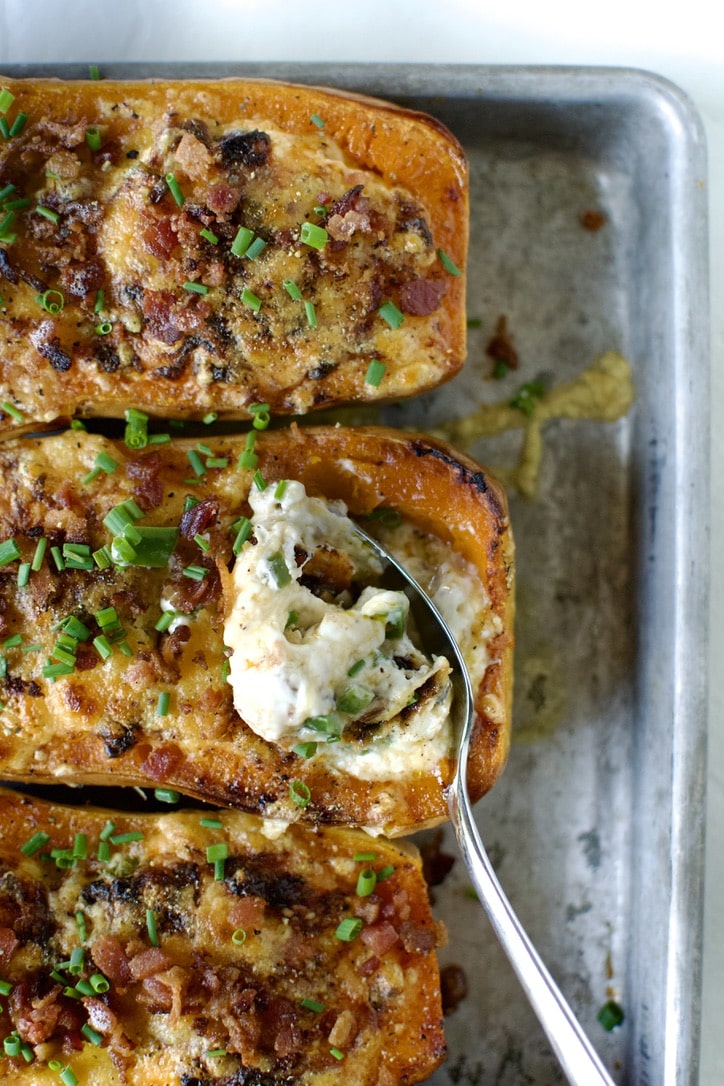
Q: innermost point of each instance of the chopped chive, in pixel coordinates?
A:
(242, 535)
(292, 289)
(311, 314)
(99, 983)
(215, 1053)
(326, 724)
(317, 120)
(209, 235)
(5, 987)
(175, 189)
(40, 548)
(202, 543)
(526, 396)
(212, 823)
(165, 621)
(104, 852)
(77, 424)
(278, 569)
(166, 795)
(23, 574)
(6, 223)
(104, 329)
(11, 409)
(107, 616)
(391, 314)
(194, 572)
(82, 930)
(93, 72)
(77, 959)
(52, 301)
(5, 132)
(11, 1045)
(300, 793)
(68, 1076)
(251, 300)
(356, 668)
(211, 417)
(91, 1034)
(348, 929)
(292, 620)
(103, 647)
(75, 628)
(106, 463)
(126, 838)
(80, 846)
(121, 515)
(337, 1053)
(366, 882)
(18, 124)
(447, 263)
(34, 844)
(314, 236)
(48, 213)
(164, 701)
(6, 99)
(259, 481)
(159, 439)
(242, 241)
(219, 869)
(385, 873)
(261, 416)
(218, 851)
(610, 1015)
(6, 191)
(196, 288)
(107, 831)
(13, 641)
(305, 750)
(280, 489)
(205, 449)
(354, 699)
(196, 462)
(238, 937)
(100, 301)
(93, 138)
(9, 552)
(501, 369)
(312, 1005)
(18, 204)
(375, 372)
(217, 462)
(32, 648)
(256, 248)
(364, 857)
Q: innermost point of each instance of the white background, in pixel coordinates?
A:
(680, 41)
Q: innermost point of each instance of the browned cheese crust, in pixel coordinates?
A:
(99, 723)
(212, 973)
(141, 309)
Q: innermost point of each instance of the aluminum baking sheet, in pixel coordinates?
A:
(596, 829)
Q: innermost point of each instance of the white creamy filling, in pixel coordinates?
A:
(333, 671)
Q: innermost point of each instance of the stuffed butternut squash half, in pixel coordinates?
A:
(196, 246)
(188, 948)
(202, 616)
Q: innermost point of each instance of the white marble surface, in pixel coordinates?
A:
(681, 42)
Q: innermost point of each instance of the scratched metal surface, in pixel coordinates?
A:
(596, 829)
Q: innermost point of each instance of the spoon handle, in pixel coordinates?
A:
(574, 1051)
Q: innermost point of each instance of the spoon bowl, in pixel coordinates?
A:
(575, 1053)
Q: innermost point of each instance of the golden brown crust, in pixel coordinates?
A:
(192, 1004)
(244, 153)
(99, 723)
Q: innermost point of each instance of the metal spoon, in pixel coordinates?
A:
(574, 1051)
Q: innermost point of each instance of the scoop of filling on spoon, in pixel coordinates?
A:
(323, 661)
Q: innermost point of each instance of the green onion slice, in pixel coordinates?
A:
(300, 793)
(175, 189)
(278, 569)
(375, 373)
(366, 882)
(391, 314)
(314, 236)
(348, 929)
(447, 263)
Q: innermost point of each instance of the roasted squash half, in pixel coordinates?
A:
(97, 687)
(191, 948)
(196, 246)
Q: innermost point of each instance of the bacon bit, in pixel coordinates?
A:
(201, 516)
(100, 1015)
(592, 220)
(344, 1030)
(369, 965)
(193, 157)
(160, 316)
(500, 347)
(149, 488)
(421, 297)
(67, 135)
(111, 958)
(8, 944)
(171, 645)
(417, 939)
(453, 987)
(161, 763)
(223, 199)
(247, 912)
(160, 238)
(215, 274)
(281, 1020)
(81, 278)
(35, 1017)
(379, 937)
(148, 963)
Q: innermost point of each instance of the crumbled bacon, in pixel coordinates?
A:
(8, 944)
(35, 1016)
(160, 315)
(201, 516)
(222, 198)
(192, 156)
(160, 237)
(110, 956)
(80, 278)
(145, 470)
(379, 937)
(148, 963)
(421, 297)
